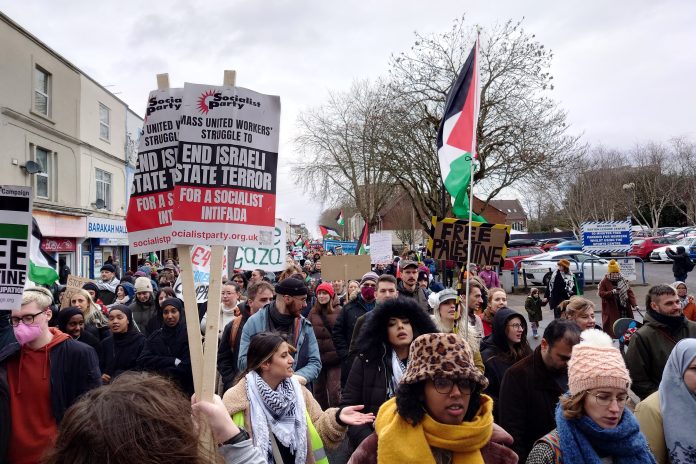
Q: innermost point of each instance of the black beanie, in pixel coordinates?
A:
(91, 286)
(291, 287)
(108, 267)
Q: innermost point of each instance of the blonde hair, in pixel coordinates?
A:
(39, 295)
(495, 290)
(573, 407)
(95, 315)
(577, 305)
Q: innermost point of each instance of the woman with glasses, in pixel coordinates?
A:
(284, 420)
(383, 350)
(592, 422)
(96, 322)
(439, 414)
(503, 348)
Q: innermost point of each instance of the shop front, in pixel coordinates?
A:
(61, 233)
(107, 240)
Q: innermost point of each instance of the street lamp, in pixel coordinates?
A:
(630, 192)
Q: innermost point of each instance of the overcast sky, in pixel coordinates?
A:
(624, 70)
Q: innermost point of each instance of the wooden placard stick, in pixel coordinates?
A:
(212, 325)
(189, 291)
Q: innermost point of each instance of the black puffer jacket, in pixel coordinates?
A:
(371, 370)
(342, 332)
(496, 352)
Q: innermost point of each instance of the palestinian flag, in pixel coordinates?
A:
(328, 231)
(362, 241)
(456, 138)
(42, 266)
(339, 218)
(299, 241)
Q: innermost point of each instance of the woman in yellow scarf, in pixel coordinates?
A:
(439, 415)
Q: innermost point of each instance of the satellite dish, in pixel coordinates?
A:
(32, 167)
(99, 204)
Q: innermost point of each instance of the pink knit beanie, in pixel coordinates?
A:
(595, 363)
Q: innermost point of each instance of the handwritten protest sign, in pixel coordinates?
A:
(200, 262)
(344, 267)
(149, 215)
(269, 259)
(15, 234)
(449, 241)
(225, 190)
(381, 248)
(72, 285)
(340, 247)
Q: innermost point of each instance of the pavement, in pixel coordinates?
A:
(655, 273)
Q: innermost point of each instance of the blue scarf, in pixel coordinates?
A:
(581, 439)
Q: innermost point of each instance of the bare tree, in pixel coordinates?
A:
(684, 156)
(522, 133)
(343, 151)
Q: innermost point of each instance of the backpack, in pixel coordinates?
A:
(235, 329)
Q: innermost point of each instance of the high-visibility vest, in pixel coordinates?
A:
(315, 439)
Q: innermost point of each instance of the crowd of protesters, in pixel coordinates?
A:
(388, 364)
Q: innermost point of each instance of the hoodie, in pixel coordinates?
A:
(29, 378)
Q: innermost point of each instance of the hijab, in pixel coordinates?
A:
(126, 346)
(677, 402)
(174, 332)
(64, 317)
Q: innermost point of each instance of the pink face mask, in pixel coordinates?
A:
(26, 333)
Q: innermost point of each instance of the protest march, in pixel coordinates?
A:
(481, 285)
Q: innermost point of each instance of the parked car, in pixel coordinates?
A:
(568, 245)
(517, 254)
(537, 269)
(521, 242)
(549, 243)
(660, 254)
(644, 246)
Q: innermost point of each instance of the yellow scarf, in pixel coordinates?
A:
(400, 442)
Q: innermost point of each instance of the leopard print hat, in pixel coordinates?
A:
(442, 355)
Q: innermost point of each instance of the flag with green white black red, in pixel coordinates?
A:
(42, 267)
(456, 138)
(361, 249)
(339, 219)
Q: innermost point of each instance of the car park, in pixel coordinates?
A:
(548, 243)
(660, 254)
(537, 269)
(517, 254)
(643, 247)
(568, 245)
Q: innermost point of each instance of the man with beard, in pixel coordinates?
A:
(408, 285)
(530, 388)
(284, 316)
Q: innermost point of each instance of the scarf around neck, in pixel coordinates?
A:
(464, 441)
(582, 439)
(398, 368)
(678, 404)
(281, 412)
(672, 322)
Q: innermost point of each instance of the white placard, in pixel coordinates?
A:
(381, 248)
(269, 259)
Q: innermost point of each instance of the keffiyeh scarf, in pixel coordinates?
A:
(398, 368)
(281, 411)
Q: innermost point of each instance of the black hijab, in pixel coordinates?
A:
(174, 332)
(64, 317)
(121, 350)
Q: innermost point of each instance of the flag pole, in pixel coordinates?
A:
(471, 185)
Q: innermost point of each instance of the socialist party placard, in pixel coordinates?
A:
(15, 234)
(149, 215)
(225, 184)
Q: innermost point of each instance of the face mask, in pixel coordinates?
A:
(26, 333)
(368, 293)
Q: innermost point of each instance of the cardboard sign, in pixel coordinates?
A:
(15, 236)
(227, 162)
(266, 258)
(200, 261)
(449, 241)
(381, 248)
(344, 267)
(149, 215)
(72, 285)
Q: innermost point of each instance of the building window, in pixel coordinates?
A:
(104, 188)
(42, 180)
(42, 91)
(104, 127)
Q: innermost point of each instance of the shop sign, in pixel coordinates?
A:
(57, 244)
(106, 228)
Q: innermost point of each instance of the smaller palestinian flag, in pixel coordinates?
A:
(299, 241)
(327, 231)
(339, 218)
(42, 266)
(362, 241)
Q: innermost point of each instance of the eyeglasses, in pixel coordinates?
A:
(516, 326)
(445, 386)
(27, 319)
(603, 399)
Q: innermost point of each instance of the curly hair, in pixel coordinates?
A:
(410, 402)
